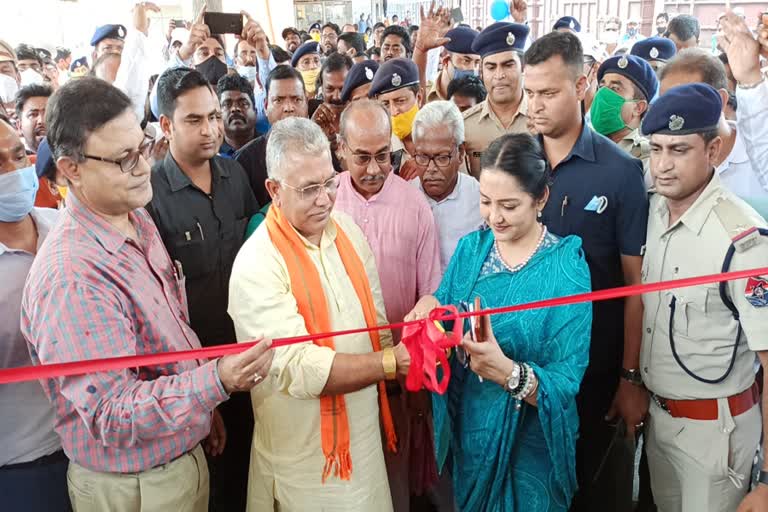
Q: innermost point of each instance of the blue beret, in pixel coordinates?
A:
(461, 40)
(393, 75)
(44, 158)
(654, 48)
(568, 22)
(685, 109)
(81, 62)
(500, 37)
(314, 26)
(636, 69)
(360, 74)
(108, 31)
(304, 49)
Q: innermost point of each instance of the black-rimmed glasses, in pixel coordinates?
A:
(441, 161)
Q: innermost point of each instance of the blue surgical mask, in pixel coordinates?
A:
(461, 73)
(17, 193)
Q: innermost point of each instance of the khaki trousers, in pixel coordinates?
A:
(701, 466)
(179, 486)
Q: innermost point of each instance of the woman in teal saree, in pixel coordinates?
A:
(507, 426)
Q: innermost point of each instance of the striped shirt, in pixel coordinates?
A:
(94, 293)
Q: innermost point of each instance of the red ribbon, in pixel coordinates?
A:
(427, 343)
(49, 371)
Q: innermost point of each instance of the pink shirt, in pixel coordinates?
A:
(400, 228)
(93, 293)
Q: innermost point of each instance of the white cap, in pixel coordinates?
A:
(179, 34)
(591, 47)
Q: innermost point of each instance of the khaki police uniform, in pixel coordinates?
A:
(434, 93)
(702, 465)
(481, 127)
(640, 148)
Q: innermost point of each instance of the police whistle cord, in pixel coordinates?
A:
(424, 335)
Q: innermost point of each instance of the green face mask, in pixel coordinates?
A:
(605, 111)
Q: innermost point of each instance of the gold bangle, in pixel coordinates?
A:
(389, 363)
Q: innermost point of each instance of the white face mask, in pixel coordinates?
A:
(247, 72)
(8, 88)
(30, 76)
(609, 37)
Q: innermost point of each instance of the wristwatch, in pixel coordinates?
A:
(763, 477)
(389, 363)
(633, 376)
(513, 381)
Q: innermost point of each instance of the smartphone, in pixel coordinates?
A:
(476, 323)
(180, 23)
(224, 23)
(456, 15)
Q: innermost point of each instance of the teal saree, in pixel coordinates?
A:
(507, 455)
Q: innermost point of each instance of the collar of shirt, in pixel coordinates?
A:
(434, 92)
(178, 180)
(105, 233)
(584, 147)
(450, 197)
(44, 218)
(328, 238)
(522, 109)
(738, 154)
(633, 136)
(695, 217)
(346, 181)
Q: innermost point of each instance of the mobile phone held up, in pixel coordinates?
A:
(224, 23)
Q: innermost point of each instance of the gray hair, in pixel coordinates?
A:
(439, 113)
(292, 136)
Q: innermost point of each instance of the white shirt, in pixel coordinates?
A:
(456, 216)
(738, 173)
(752, 122)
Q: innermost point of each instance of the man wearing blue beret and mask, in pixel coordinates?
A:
(655, 50)
(567, 24)
(627, 86)
(700, 343)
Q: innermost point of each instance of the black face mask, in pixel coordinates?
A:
(212, 69)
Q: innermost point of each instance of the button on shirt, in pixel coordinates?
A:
(482, 127)
(704, 329)
(93, 293)
(455, 216)
(597, 174)
(204, 232)
(26, 424)
(400, 228)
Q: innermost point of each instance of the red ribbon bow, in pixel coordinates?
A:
(427, 343)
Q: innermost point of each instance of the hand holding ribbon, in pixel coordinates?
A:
(427, 343)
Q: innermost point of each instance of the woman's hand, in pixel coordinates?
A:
(422, 308)
(486, 358)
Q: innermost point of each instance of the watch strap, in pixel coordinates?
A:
(633, 376)
(763, 477)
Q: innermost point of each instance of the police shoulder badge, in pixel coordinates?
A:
(654, 52)
(756, 291)
(510, 39)
(369, 73)
(623, 62)
(676, 123)
(396, 80)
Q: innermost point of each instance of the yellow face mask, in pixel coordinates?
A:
(402, 124)
(315, 36)
(62, 191)
(310, 77)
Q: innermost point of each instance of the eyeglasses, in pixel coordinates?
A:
(364, 160)
(312, 192)
(128, 162)
(441, 161)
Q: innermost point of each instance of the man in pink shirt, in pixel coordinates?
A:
(400, 228)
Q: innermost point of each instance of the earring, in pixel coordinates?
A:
(538, 215)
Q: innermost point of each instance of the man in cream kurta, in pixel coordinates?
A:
(286, 455)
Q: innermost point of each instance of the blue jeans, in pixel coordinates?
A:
(37, 486)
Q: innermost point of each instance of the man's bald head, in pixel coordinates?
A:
(368, 115)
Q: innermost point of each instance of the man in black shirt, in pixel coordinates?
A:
(202, 204)
(239, 110)
(286, 97)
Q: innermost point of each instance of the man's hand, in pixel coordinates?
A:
(241, 372)
(762, 36)
(171, 28)
(217, 439)
(140, 17)
(403, 359)
(519, 10)
(198, 34)
(631, 404)
(742, 49)
(409, 170)
(755, 501)
(325, 118)
(255, 36)
(433, 28)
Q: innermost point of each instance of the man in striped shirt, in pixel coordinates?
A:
(103, 286)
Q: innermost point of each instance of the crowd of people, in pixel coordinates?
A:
(362, 177)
